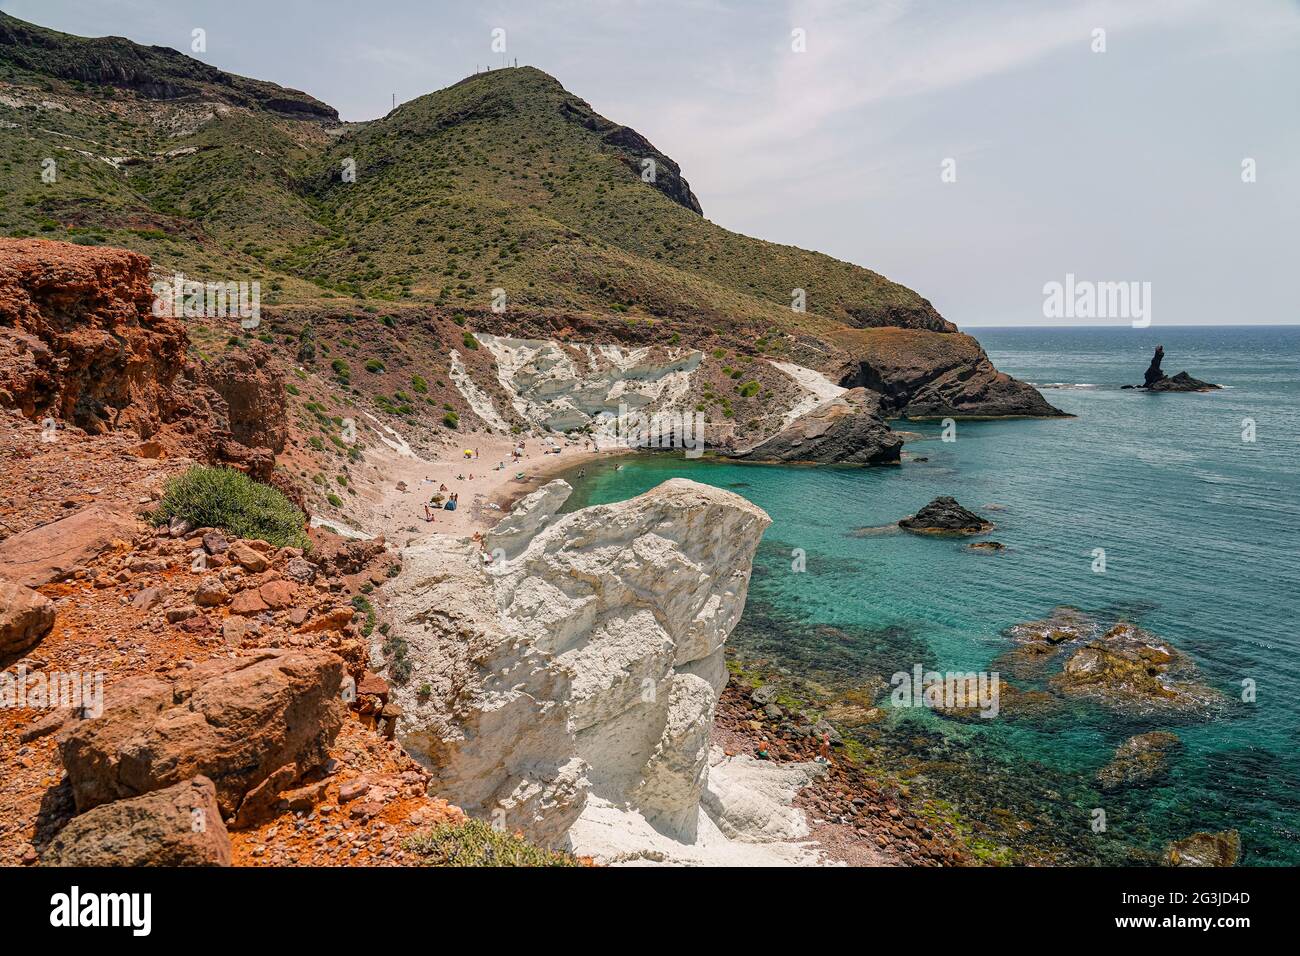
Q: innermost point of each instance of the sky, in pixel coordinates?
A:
(974, 151)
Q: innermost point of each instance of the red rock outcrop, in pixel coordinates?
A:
(176, 826)
(25, 617)
(254, 725)
(79, 342)
(53, 551)
(107, 360)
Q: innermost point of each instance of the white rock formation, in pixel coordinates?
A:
(815, 386)
(565, 386)
(478, 400)
(574, 679)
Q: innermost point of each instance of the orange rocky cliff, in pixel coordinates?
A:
(80, 345)
(155, 678)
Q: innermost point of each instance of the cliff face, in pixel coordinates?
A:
(580, 669)
(922, 374)
(79, 343)
(93, 353)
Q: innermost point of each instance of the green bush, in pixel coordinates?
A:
(477, 843)
(469, 341)
(451, 420)
(230, 500)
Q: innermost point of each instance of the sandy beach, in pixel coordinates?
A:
(487, 483)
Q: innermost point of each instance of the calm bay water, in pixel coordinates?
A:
(1201, 532)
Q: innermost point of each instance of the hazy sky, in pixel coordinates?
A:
(1123, 165)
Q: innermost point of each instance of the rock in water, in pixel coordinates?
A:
(845, 430)
(944, 515)
(1155, 379)
(1133, 672)
(1140, 760)
(176, 826)
(1182, 382)
(1205, 849)
(587, 665)
(930, 374)
(1154, 372)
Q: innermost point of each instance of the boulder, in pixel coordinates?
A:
(944, 515)
(236, 721)
(247, 603)
(844, 430)
(1140, 760)
(26, 616)
(211, 593)
(178, 825)
(247, 557)
(277, 595)
(53, 551)
(587, 665)
(1204, 849)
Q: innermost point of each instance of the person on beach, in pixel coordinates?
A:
(763, 753)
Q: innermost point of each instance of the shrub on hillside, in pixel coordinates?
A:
(477, 843)
(230, 500)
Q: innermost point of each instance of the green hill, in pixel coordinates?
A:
(504, 180)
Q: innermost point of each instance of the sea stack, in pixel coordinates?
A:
(1156, 380)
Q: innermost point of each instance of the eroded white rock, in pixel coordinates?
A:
(582, 669)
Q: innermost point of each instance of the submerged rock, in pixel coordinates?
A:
(1140, 760)
(1204, 849)
(944, 515)
(1132, 671)
(1063, 624)
(845, 430)
(991, 546)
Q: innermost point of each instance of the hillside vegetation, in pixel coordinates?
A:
(502, 181)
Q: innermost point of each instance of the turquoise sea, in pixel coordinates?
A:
(1201, 532)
